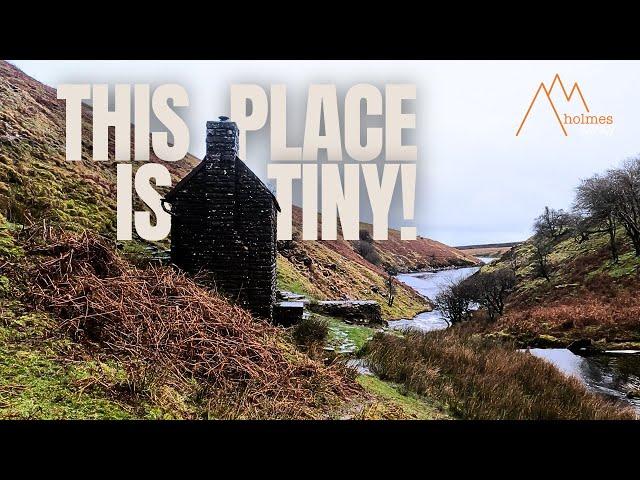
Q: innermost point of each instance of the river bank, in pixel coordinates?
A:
(428, 285)
(586, 297)
(617, 378)
(480, 379)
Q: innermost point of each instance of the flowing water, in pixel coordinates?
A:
(615, 374)
(429, 284)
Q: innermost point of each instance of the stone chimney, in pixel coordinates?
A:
(220, 173)
(222, 143)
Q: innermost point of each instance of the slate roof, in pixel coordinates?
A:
(239, 165)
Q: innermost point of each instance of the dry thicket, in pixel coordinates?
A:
(166, 329)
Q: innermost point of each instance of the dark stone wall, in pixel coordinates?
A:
(224, 225)
(255, 224)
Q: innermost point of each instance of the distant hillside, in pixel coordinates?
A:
(488, 245)
(587, 295)
(488, 249)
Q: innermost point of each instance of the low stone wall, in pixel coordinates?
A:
(360, 312)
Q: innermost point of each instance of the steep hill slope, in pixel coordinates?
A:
(37, 183)
(587, 296)
(60, 362)
(55, 362)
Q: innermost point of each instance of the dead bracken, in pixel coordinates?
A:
(166, 329)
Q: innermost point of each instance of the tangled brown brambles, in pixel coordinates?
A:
(164, 327)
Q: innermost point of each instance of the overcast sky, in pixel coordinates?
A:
(477, 181)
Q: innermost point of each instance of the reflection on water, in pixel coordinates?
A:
(614, 375)
(429, 284)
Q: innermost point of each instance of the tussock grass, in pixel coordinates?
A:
(481, 379)
(311, 334)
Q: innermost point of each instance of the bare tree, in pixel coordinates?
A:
(391, 289)
(542, 250)
(390, 283)
(596, 201)
(454, 303)
(625, 185)
(552, 223)
(490, 289)
(487, 289)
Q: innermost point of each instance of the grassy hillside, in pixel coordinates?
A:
(587, 296)
(314, 269)
(85, 334)
(333, 269)
(36, 181)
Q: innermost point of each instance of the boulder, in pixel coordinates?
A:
(583, 346)
(359, 312)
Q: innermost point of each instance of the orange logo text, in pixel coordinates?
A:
(564, 119)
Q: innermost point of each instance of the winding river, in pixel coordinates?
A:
(614, 374)
(429, 284)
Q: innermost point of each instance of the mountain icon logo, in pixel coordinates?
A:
(564, 119)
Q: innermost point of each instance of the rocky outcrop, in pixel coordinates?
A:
(360, 312)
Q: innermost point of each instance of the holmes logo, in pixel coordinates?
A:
(584, 118)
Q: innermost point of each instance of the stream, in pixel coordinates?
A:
(614, 374)
(429, 284)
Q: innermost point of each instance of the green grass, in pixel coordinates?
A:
(34, 383)
(628, 264)
(8, 247)
(568, 253)
(291, 280)
(44, 375)
(412, 405)
(342, 334)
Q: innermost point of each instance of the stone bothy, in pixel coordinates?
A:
(223, 224)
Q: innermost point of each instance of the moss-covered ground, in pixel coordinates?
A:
(406, 404)
(40, 379)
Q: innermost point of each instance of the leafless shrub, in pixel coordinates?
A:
(490, 290)
(552, 223)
